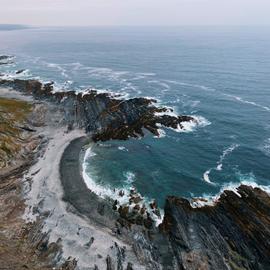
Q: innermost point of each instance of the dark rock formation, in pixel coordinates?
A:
(5, 59)
(233, 234)
(101, 114)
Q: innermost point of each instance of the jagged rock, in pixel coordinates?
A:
(102, 114)
(153, 205)
(90, 242)
(20, 71)
(234, 233)
(121, 193)
(129, 266)
(5, 59)
(135, 199)
(123, 211)
(110, 264)
(70, 264)
(115, 205)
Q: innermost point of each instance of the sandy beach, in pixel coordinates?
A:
(85, 236)
(65, 227)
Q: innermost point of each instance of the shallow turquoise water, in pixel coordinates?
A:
(218, 74)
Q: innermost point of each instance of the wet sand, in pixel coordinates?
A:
(76, 192)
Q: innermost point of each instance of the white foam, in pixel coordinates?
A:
(58, 67)
(122, 148)
(240, 99)
(244, 179)
(130, 177)
(164, 86)
(190, 126)
(202, 87)
(219, 166)
(225, 153)
(113, 193)
(161, 133)
(266, 147)
(11, 75)
(169, 111)
(206, 176)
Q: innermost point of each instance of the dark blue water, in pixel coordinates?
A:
(220, 75)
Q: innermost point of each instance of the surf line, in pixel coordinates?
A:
(219, 166)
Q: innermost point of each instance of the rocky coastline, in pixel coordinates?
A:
(46, 183)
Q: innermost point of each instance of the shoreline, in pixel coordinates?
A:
(70, 222)
(75, 189)
(79, 224)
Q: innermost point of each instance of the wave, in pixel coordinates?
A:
(265, 148)
(122, 148)
(122, 195)
(185, 127)
(190, 126)
(219, 166)
(129, 178)
(161, 132)
(206, 176)
(225, 153)
(58, 67)
(20, 74)
(248, 102)
(164, 86)
(211, 89)
(202, 87)
(243, 179)
(7, 59)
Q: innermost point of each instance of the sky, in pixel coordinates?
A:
(135, 12)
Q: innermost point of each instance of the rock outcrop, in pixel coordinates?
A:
(101, 114)
(233, 234)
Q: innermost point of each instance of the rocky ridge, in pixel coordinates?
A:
(101, 114)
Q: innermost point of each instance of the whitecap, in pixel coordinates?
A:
(164, 86)
(202, 87)
(219, 166)
(161, 132)
(106, 191)
(225, 153)
(190, 126)
(206, 177)
(240, 99)
(129, 177)
(58, 67)
(122, 148)
(243, 179)
(11, 75)
(265, 147)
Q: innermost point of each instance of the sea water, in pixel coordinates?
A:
(219, 75)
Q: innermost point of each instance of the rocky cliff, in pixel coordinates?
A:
(101, 114)
(233, 234)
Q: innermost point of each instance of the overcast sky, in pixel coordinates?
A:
(135, 12)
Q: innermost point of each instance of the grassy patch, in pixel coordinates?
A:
(13, 114)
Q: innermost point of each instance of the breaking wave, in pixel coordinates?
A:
(219, 167)
(242, 179)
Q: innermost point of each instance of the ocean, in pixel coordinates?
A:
(219, 75)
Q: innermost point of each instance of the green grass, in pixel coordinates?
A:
(13, 114)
